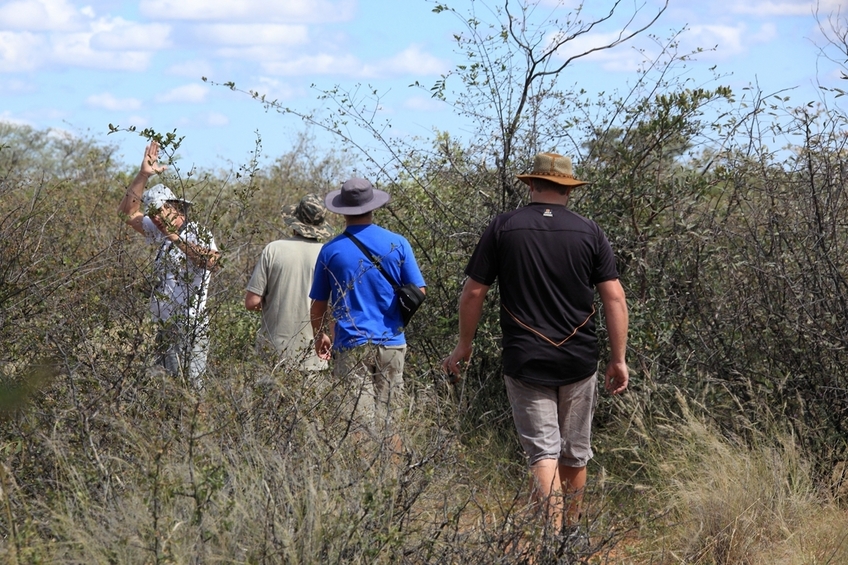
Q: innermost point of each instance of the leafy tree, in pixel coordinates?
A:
(514, 55)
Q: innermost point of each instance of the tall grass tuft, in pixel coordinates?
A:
(735, 502)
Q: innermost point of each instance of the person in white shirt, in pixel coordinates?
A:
(186, 257)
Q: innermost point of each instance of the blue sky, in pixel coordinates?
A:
(77, 66)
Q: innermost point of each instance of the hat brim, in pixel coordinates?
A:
(565, 181)
(307, 230)
(333, 202)
(159, 203)
(181, 200)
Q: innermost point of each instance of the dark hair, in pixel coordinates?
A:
(545, 185)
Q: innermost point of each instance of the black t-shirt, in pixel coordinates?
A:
(548, 260)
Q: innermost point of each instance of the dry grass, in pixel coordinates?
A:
(734, 503)
(260, 469)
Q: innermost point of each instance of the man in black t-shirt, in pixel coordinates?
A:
(549, 261)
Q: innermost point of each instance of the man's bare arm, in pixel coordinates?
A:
(319, 317)
(616, 315)
(470, 310)
(200, 256)
(252, 301)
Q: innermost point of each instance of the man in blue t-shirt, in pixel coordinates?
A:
(549, 262)
(368, 342)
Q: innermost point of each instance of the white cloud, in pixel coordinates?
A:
(566, 4)
(8, 118)
(252, 34)
(74, 50)
(202, 120)
(121, 35)
(107, 101)
(592, 10)
(788, 8)
(767, 32)
(266, 44)
(140, 122)
(584, 43)
(283, 11)
(347, 65)
(194, 69)
(730, 10)
(26, 51)
(109, 44)
(60, 134)
(835, 74)
(729, 39)
(425, 104)
(42, 15)
(410, 61)
(216, 119)
(274, 89)
(618, 59)
(265, 54)
(21, 51)
(17, 86)
(188, 93)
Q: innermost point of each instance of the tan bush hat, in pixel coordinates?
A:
(552, 167)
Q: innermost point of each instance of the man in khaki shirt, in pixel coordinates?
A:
(279, 287)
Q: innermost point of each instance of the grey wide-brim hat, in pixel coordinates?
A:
(357, 196)
(308, 217)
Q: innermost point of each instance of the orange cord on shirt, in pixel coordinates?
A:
(546, 338)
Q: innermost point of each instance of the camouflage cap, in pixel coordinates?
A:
(308, 218)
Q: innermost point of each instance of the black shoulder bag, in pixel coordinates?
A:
(409, 296)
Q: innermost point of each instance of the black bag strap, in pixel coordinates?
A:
(371, 258)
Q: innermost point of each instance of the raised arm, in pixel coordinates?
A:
(130, 207)
(615, 313)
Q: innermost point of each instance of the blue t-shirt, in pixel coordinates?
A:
(360, 298)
